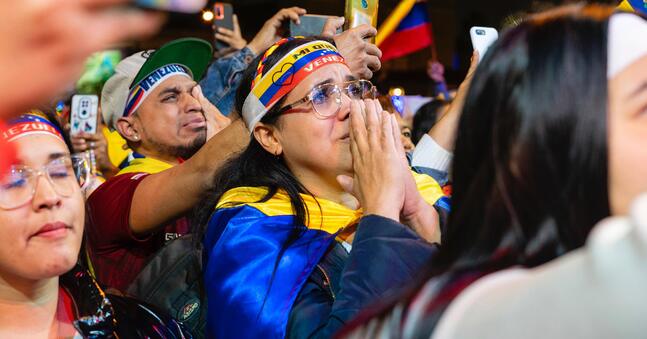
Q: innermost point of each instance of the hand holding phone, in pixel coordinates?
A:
(223, 17)
(482, 38)
(310, 25)
(83, 117)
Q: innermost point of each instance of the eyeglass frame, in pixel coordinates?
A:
(76, 161)
(308, 97)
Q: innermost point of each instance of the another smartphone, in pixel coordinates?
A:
(84, 114)
(182, 6)
(360, 12)
(310, 25)
(483, 38)
(223, 16)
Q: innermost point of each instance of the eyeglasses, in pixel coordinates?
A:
(66, 175)
(326, 98)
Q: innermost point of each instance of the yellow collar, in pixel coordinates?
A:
(323, 214)
(145, 165)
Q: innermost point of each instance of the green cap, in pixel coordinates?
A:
(194, 54)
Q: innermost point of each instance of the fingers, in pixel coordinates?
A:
(373, 50)
(372, 123)
(397, 138)
(332, 25)
(346, 183)
(236, 26)
(364, 31)
(358, 128)
(474, 61)
(226, 37)
(293, 13)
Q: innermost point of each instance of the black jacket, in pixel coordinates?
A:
(101, 315)
(386, 255)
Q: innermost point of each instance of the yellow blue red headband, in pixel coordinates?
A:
(285, 75)
(30, 124)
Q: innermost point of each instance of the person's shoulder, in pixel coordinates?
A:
(118, 183)
(146, 320)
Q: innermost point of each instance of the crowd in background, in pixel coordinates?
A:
(269, 190)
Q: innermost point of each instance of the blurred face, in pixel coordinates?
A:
(405, 133)
(41, 238)
(170, 120)
(627, 136)
(313, 144)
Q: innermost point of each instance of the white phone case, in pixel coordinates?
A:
(482, 38)
(83, 117)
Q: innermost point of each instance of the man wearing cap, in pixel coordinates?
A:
(155, 104)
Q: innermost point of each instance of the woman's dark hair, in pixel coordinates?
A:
(425, 118)
(530, 165)
(530, 160)
(255, 167)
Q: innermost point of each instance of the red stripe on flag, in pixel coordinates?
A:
(401, 43)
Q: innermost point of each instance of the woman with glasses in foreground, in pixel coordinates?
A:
(43, 292)
(278, 246)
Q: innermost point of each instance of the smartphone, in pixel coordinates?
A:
(482, 38)
(360, 12)
(182, 6)
(310, 25)
(223, 16)
(84, 114)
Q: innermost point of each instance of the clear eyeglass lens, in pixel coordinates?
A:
(326, 99)
(16, 187)
(65, 174)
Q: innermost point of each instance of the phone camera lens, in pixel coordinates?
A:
(480, 32)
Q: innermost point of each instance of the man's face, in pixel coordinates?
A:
(171, 120)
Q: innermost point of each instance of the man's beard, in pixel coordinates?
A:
(185, 151)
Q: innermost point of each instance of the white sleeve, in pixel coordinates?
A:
(431, 155)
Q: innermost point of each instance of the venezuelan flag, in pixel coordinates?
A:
(639, 6)
(406, 30)
(252, 276)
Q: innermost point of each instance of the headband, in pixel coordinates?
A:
(138, 94)
(627, 41)
(30, 124)
(285, 75)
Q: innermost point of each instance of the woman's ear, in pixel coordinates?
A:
(128, 129)
(269, 138)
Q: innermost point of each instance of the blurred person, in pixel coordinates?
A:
(178, 140)
(278, 246)
(43, 292)
(49, 40)
(433, 151)
(224, 74)
(426, 117)
(404, 126)
(539, 160)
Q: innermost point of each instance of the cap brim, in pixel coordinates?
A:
(195, 54)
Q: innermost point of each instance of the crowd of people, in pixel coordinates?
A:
(270, 191)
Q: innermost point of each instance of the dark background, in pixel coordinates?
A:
(451, 20)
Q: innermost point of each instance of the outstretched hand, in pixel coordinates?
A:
(271, 31)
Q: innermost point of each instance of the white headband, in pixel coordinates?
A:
(627, 42)
(139, 92)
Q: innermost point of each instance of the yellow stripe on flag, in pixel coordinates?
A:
(625, 6)
(393, 20)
